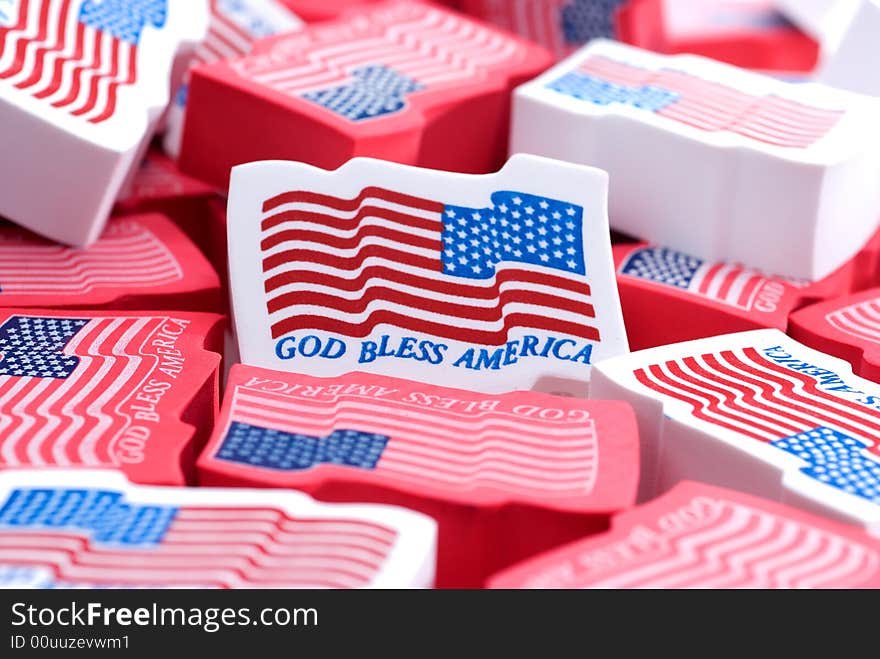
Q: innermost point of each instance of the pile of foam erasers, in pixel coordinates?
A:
(480, 293)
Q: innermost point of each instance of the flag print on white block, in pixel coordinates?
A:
(704, 157)
(824, 20)
(697, 536)
(755, 411)
(488, 282)
(233, 28)
(83, 84)
(855, 63)
(88, 529)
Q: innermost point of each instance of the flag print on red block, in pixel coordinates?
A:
(83, 84)
(758, 412)
(670, 130)
(561, 26)
(846, 327)
(136, 392)
(139, 262)
(505, 476)
(698, 298)
(405, 82)
(750, 33)
(234, 26)
(697, 536)
(93, 529)
(491, 283)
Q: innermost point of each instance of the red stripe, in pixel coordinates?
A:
(58, 70)
(451, 333)
(463, 311)
(708, 278)
(79, 71)
(92, 98)
(113, 89)
(503, 276)
(20, 50)
(300, 197)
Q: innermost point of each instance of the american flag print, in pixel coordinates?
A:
(560, 25)
(76, 55)
(84, 536)
(127, 254)
(773, 397)
(68, 385)
(726, 283)
(702, 104)
(468, 274)
(397, 436)
(372, 66)
(860, 320)
(702, 537)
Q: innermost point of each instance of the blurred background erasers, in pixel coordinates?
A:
(712, 160)
(83, 85)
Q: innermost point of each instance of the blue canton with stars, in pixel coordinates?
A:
(34, 347)
(103, 514)
(276, 449)
(123, 19)
(593, 90)
(836, 459)
(375, 91)
(583, 20)
(663, 266)
(517, 227)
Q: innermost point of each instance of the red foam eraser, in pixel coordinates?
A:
(697, 536)
(136, 391)
(404, 81)
(505, 476)
(752, 33)
(93, 528)
(668, 296)
(139, 262)
(846, 327)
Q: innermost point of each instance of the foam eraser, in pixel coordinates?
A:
(668, 296)
(404, 81)
(490, 282)
(855, 62)
(139, 262)
(136, 391)
(698, 536)
(234, 26)
(561, 26)
(505, 476)
(83, 85)
(94, 529)
(753, 34)
(846, 327)
(705, 156)
(758, 412)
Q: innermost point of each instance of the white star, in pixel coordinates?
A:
(557, 240)
(530, 235)
(517, 201)
(530, 222)
(462, 247)
(475, 256)
(515, 227)
(449, 227)
(517, 253)
(517, 240)
(504, 222)
(544, 205)
(569, 237)
(487, 251)
(450, 253)
(569, 226)
(557, 254)
(462, 260)
(542, 231)
(570, 211)
(571, 264)
(450, 213)
(544, 257)
(475, 242)
(462, 222)
(475, 215)
(531, 249)
(507, 248)
(557, 228)
(476, 228)
(462, 234)
(503, 208)
(529, 210)
(477, 269)
(557, 215)
(542, 244)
